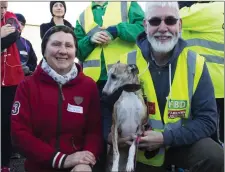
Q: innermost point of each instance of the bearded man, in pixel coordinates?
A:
(180, 97)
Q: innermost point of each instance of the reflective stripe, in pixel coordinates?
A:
(161, 151)
(81, 18)
(191, 62)
(174, 125)
(156, 124)
(124, 11)
(91, 63)
(94, 30)
(213, 59)
(206, 44)
(131, 57)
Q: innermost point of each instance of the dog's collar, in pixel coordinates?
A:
(131, 87)
(110, 100)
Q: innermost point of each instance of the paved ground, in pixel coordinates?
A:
(17, 165)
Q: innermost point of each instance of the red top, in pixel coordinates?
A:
(11, 69)
(46, 127)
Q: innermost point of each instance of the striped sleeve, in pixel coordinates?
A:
(58, 160)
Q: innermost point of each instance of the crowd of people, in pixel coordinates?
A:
(52, 112)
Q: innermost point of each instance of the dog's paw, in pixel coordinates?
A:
(115, 166)
(130, 166)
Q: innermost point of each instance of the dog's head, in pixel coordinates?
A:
(119, 75)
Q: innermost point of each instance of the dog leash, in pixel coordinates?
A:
(136, 151)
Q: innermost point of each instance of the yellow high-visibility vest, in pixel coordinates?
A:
(177, 110)
(203, 29)
(116, 12)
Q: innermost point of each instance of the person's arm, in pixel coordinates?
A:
(94, 136)
(85, 46)
(9, 40)
(23, 136)
(32, 61)
(204, 112)
(128, 31)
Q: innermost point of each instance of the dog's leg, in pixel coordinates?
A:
(116, 155)
(131, 157)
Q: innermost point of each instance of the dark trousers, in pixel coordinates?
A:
(220, 108)
(106, 127)
(7, 97)
(204, 156)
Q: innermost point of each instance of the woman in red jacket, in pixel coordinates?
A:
(56, 113)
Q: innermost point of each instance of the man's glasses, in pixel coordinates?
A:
(156, 21)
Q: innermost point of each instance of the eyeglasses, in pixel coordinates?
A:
(156, 21)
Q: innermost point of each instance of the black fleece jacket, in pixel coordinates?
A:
(45, 26)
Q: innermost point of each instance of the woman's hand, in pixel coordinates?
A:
(81, 167)
(82, 157)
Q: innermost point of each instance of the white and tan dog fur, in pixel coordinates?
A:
(129, 114)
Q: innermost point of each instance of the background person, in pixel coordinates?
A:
(58, 11)
(27, 55)
(11, 76)
(203, 29)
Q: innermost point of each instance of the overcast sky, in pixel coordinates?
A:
(39, 12)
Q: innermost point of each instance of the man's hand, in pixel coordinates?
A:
(100, 38)
(150, 141)
(82, 157)
(81, 167)
(6, 30)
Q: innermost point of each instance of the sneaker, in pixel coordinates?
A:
(5, 169)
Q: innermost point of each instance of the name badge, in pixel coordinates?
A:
(23, 53)
(74, 109)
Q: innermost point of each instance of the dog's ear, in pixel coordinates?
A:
(133, 69)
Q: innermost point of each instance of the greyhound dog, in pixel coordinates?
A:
(129, 112)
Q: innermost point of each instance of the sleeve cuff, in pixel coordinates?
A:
(58, 160)
(113, 31)
(167, 137)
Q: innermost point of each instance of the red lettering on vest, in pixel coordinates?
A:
(151, 108)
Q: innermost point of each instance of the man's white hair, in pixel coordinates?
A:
(149, 7)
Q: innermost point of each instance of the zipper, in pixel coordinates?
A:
(61, 92)
(3, 80)
(73, 144)
(59, 119)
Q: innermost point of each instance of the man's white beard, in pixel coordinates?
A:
(163, 47)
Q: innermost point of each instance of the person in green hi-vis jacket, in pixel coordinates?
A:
(106, 30)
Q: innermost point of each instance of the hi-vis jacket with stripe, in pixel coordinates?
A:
(118, 15)
(203, 29)
(181, 103)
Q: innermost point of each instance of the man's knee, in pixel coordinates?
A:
(211, 153)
